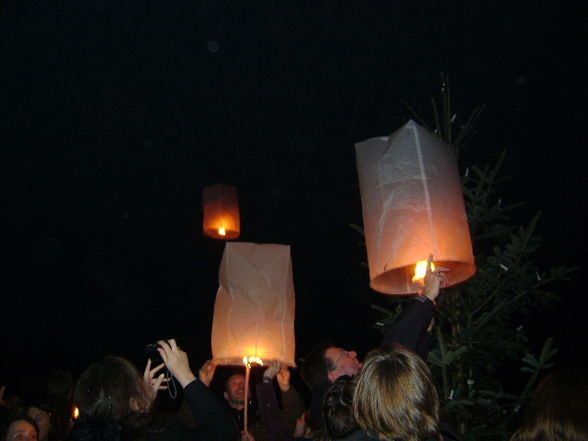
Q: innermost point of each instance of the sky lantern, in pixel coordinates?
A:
(221, 212)
(413, 207)
(253, 320)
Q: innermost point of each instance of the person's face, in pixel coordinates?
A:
(21, 430)
(42, 419)
(344, 362)
(235, 390)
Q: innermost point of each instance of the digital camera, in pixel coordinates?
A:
(152, 352)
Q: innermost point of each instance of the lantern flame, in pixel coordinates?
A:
(76, 412)
(248, 360)
(222, 232)
(420, 270)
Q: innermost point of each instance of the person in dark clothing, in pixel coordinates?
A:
(277, 424)
(326, 362)
(114, 402)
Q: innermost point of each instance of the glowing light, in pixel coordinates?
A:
(421, 269)
(247, 361)
(76, 412)
(222, 232)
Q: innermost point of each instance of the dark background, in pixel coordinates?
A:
(115, 114)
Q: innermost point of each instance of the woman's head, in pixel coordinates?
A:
(395, 397)
(558, 409)
(21, 429)
(111, 389)
(41, 414)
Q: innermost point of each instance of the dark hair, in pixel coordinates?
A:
(395, 397)
(338, 419)
(105, 390)
(558, 409)
(231, 374)
(14, 419)
(316, 366)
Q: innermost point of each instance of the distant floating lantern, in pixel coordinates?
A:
(254, 309)
(412, 206)
(221, 212)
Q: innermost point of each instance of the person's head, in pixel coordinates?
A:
(338, 420)
(111, 389)
(234, 392)
(395, 397)
(558, 409)
(21, 428)
(327, 362)
(41, 414)
(341, 362)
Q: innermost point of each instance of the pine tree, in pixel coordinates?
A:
(475, 329)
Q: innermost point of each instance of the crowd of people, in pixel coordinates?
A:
(390, 396)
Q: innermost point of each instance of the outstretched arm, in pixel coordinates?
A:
(213, 422)
(410, 328)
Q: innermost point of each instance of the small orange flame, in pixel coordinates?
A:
(420, 270)
(248, 360)
(76, 412)
(222, 232)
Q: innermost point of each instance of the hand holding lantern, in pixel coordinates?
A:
(434, 280)
(206, 372)
(273, 368)
(284, 378)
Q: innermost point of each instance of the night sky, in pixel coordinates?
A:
(115, 114)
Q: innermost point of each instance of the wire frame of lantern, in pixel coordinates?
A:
(412, 207)
(221, 212)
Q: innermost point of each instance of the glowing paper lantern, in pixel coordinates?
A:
(412, 206)
(221, 212)
(254, 308)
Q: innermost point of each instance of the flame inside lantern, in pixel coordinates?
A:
(76, 412)
(247, 361)
(222, 232)
(420, 270)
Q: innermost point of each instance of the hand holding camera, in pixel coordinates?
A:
(176, 361)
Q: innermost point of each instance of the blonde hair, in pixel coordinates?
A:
(395, 397)
(558, 410)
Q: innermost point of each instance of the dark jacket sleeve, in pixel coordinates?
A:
(272, 419)
(410, 328)
(213, 422)
(293, 405)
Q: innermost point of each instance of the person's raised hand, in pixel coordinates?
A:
(272, 369)
(176, 361)
(283, 377)
(206, 372)
(152, 380)
(434, 280)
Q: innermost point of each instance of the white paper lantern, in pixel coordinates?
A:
(255, 305)
(412, 206)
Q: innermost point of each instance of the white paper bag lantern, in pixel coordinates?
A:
(412, 205)
(254, 308)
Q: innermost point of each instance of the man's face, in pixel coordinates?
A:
(344, 362)
(235, 390)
